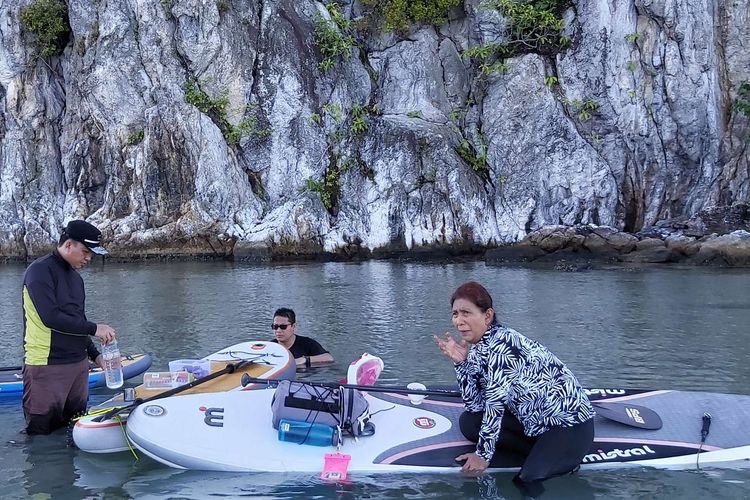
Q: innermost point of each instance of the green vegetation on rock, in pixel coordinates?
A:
(216, 109)
(477, 160)
(360, 123)
(47, 20)
(742, 104)
(533, 26)
(333, 37)
(632, 37)
(328, 189)
(398, 15)
(583, 108)
(136, 137)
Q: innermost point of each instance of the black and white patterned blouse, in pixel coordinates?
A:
(507, 369)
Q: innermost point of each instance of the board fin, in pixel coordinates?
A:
(632, 415)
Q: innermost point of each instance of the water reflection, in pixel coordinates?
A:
(39, 467)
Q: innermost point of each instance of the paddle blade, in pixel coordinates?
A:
(365, 370)
(632, 415)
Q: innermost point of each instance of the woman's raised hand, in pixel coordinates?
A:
(457, 352)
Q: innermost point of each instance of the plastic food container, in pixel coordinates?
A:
(166, 380)
(198, 367)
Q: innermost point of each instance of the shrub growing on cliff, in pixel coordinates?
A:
(216, 109)
(48, 21)
(583, 108)
(328, 189)
(196, 96)
(533, 26)
(742, 104)
(632, 37)
(222, 6)
(136, 137)
(477, 159)
(397, 15)
(333, 37)
(360, 123)
(333, 110)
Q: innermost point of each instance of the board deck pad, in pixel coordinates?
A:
(266, 360)
(427, 437)
(224, 383)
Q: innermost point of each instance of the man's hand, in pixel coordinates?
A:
(474, 464)
(105, 333)
(100, 361)
(455, 351)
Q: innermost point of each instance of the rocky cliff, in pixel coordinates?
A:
(276, 127)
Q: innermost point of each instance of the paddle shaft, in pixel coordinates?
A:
(611, 410)
(230, 368)
(370, 388)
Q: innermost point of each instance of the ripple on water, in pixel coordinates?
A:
(661, 328)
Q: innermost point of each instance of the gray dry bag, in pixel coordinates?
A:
(307, 402)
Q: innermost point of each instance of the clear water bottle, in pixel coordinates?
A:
(112, 365)
(295, 431)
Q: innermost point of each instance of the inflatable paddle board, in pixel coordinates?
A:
(266, 360)
(11, 381)
(219, 431)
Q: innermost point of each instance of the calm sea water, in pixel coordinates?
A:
(652, 328)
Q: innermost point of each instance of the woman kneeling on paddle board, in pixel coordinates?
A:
(518, 396)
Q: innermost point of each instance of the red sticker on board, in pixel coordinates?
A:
(424, 422)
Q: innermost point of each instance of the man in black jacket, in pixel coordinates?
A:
(57, 335)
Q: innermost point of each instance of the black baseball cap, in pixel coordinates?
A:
(83, 232)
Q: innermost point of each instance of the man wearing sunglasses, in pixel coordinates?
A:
(306, 351)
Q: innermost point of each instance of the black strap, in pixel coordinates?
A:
(349, 407)
(311, 404)
(704, 434)
(706, 426)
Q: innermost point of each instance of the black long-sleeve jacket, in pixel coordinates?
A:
(56, 330)
(506, 369)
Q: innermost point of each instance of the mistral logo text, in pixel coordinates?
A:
(635, 415)
(632, 453)
(603, 393)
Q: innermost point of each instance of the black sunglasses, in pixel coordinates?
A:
(280, 327)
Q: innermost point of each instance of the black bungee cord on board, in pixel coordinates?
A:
(704, 434)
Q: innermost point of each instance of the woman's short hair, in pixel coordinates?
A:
(474, 293)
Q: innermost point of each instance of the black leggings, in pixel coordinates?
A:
(553, 453)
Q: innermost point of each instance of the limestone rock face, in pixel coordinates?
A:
(209, 128)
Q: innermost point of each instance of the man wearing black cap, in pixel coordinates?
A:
(57, 335)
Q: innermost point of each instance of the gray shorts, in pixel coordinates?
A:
(53, 394)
